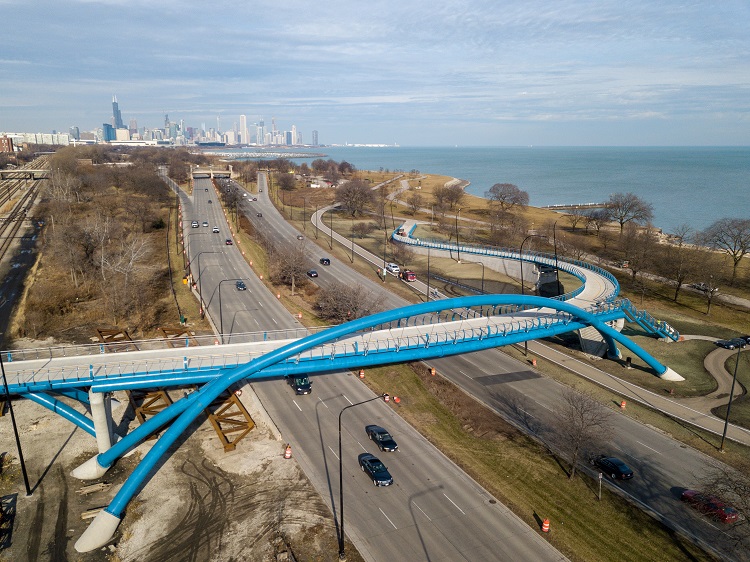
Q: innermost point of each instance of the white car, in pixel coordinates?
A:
(215, 229)
(393, 268)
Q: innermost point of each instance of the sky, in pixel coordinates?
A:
(411, 72)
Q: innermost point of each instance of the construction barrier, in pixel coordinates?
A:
(361, 373)
(545, 526)
(533, 362)
(432, 371)
(288, 452)
(622, 405)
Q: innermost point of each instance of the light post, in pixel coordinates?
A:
(458, 244)
(479, 263)
(198, 281)
(352, 236)
(393, 221)
(729, 405)
(304, 213)
(386, 398)
(316, 221)
(428, 274)
(385, 243)
(15, 428)
(525, 343)
(557, 270)
(330, 228)
(221, 316)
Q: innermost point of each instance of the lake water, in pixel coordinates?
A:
(685, 185)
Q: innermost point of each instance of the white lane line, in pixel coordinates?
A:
(647, 447)
(361, 445)
(334, 452)
(454, 505)
(295, 403)
(389, 520)
(542, 405)
(350, 402)
(464, 374)
(525, 412)
(422, 510)
(321, 401)
(274, 321)
(261, 304)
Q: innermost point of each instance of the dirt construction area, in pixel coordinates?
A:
(202, 504)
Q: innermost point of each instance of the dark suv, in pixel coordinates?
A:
(372, 466)
(300, 383)
(381, 436)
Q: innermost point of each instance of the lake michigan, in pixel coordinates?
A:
(685, 185)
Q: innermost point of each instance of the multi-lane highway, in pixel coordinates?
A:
(663, 466)
(433, 511)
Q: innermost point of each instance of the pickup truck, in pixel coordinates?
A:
(408, 275)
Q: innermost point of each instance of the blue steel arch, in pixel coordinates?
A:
(184, 411)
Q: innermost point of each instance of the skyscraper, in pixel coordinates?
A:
(244, 138)
(116, 115)
(315, 138)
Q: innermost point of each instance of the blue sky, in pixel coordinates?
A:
(496, 73)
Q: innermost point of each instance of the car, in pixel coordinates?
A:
(210, 201)
(206, 190)
(240, 285)
(259, 215)
(300, 237)
(228, 241)
(312, 273)
(300, 383)
(372, 466)
(325, 261)
(734, 343)
(407, 275)
(381, 437)
(393, 268)
(710, 505)
(215, 229)
(746, 338)
(194, 224)
(613, 467)
(244, 194)
(205, 223)
(255, 198)
(260, 191)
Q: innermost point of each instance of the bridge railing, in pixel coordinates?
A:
(565, 264)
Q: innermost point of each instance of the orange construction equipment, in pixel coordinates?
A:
(545, 526)
(432, 371)
(361, 373)
(288, 452)
(533, 362)
(622, 405)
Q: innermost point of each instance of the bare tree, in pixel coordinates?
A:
(596, 219)
(676, 261)
(732, 485)
(355, 196)
(628, 207)
(362, 229)
(454, 194)
(582, 419)
(340, 302)
(414, 201)
(507, 195)
(290, 265)
(576, 215)
(731, 236)
(402, 253)
(640, 247)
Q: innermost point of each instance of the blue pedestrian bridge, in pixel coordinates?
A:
(436, 328)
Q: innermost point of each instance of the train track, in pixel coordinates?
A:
(21, 197)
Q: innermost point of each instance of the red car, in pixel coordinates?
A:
(228, 242)
(710, 505)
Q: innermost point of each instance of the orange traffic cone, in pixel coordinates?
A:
(361, 373)
(545, 526)
(622, 405)
(288, 452)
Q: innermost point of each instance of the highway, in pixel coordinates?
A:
(433, 511)
(663, 466)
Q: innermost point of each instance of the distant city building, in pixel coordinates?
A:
(315, 138)
(75, 133)
(122, 135)
(260, 133)
(6, 144)
(116, 115)
(244, 137)
(133, 127)
(108, 132)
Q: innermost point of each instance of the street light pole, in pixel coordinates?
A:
(557, 269)
(458, 244)
(330, 228)
(352, 236)
(525, 343)
(15, 428)
(428, 274)
(221, 316)
(729, 405)
(342, 554)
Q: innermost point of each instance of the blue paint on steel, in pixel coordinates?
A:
(75, 394)
(213, 389)
(64, 410)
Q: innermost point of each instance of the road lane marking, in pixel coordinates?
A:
(525, 412)
(464, 374)
(454, 505)
(422, 510)
(647, 447)
(361, 445)
(334, 452)
(389, 520)
(350, 402)
(543, 406)
(321, 401)
(295, 403)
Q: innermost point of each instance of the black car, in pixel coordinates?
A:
(312, 273)
(241, 286)
(301, 384)
(210, 201)
(381, 436)
(325, 261)
(746, 338)
(228, 241)
(206, 189)
(259, 215)
(612, 466)
(300, 237)
(732, 344)
(371, 465)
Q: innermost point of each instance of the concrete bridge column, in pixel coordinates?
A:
(101, 414)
